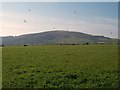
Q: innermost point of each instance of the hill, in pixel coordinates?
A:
(55, 37)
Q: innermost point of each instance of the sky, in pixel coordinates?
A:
(96, 18)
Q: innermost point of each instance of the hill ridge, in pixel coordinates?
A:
(55, 37)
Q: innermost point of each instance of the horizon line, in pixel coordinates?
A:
(57, 31)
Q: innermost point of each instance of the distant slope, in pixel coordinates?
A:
(55, 37)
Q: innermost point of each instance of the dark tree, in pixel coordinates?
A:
(87, 43)
(25, 45)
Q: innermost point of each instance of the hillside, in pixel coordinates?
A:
(55, 37)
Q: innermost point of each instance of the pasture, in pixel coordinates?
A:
(77, 66)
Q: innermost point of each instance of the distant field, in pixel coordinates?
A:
(82, 66)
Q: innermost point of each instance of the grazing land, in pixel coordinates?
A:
(53, 66)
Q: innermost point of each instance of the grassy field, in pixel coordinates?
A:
(82, 66)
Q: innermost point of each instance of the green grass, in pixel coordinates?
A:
(82, 66)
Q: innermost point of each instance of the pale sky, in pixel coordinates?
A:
(94, 18)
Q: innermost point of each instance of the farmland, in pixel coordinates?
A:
(78, 66)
